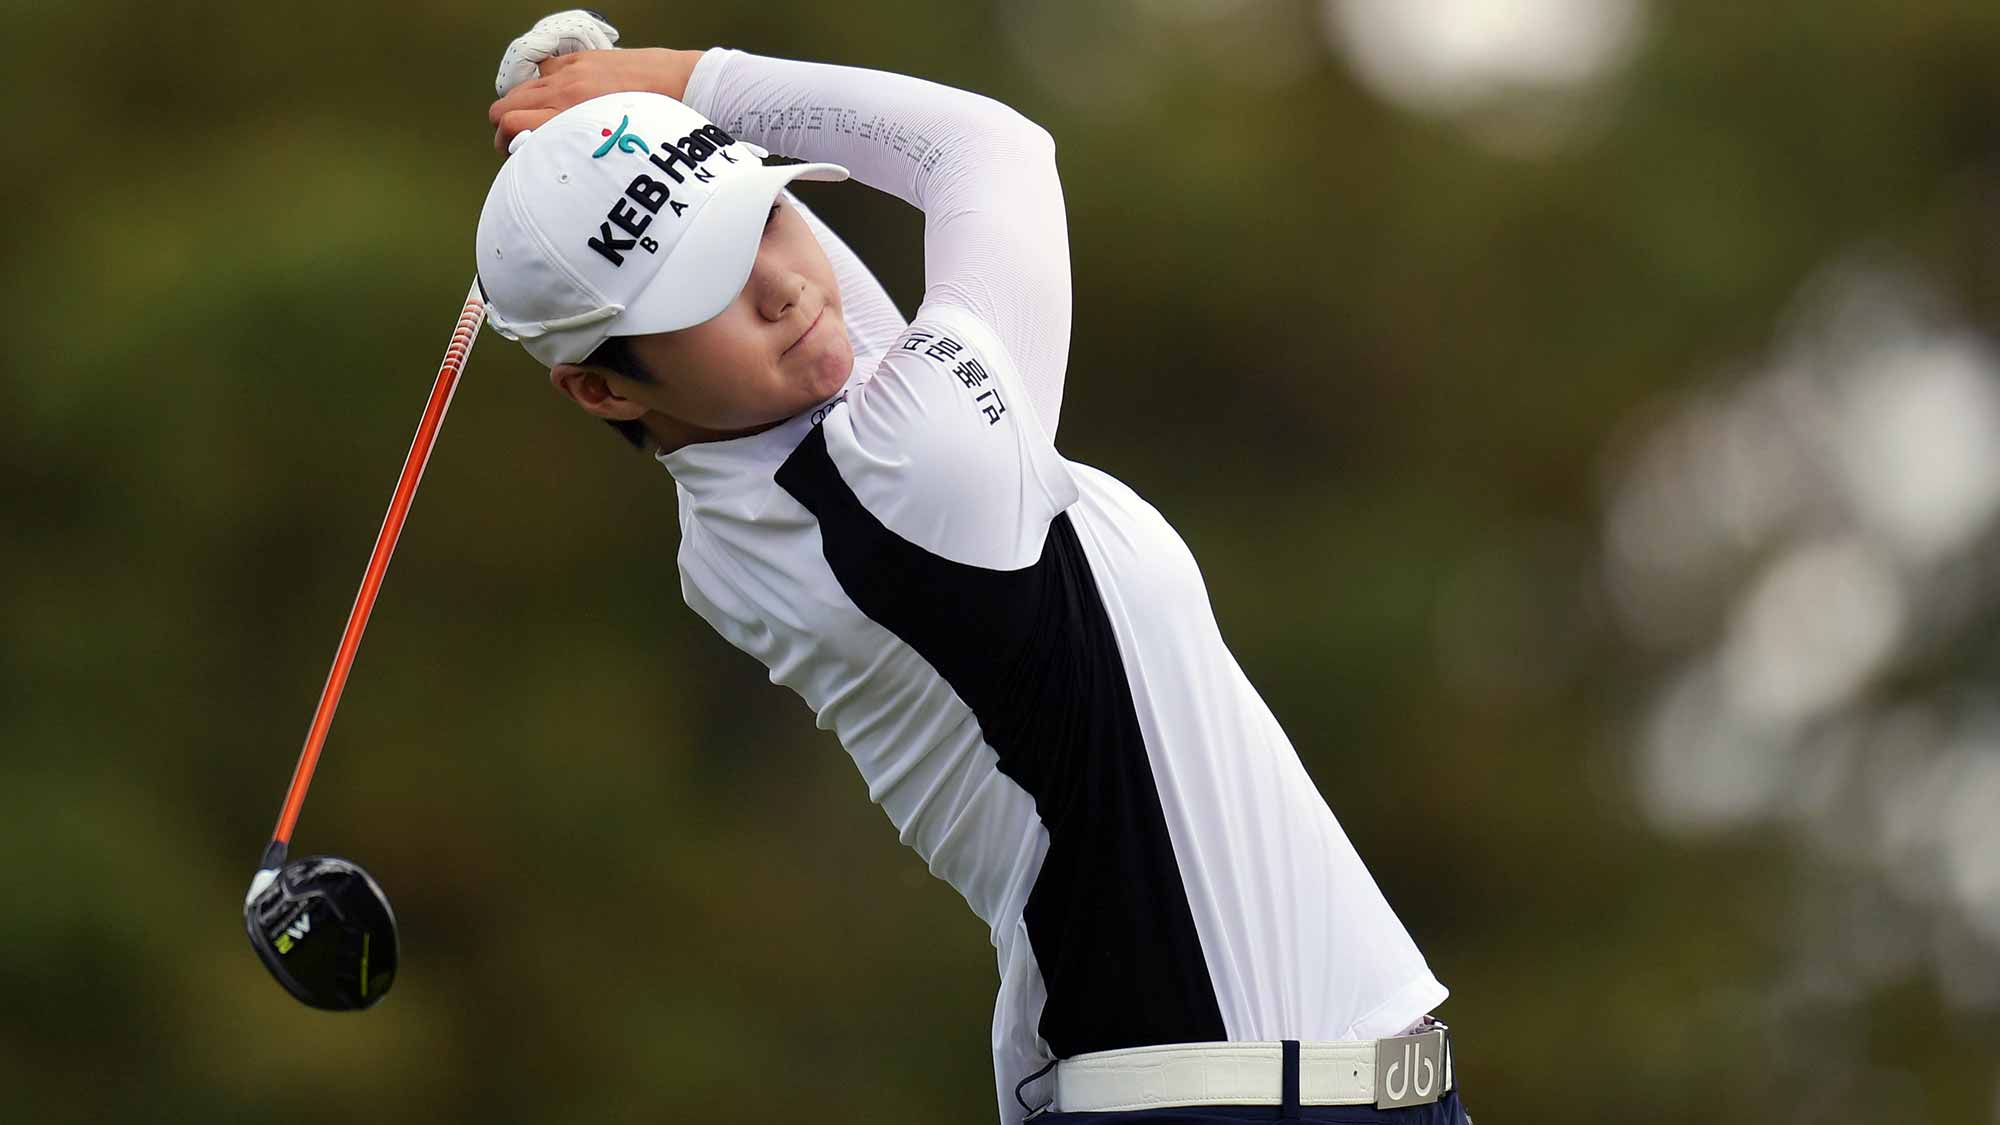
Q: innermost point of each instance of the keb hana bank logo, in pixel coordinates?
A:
(620, 140)
(677, 166)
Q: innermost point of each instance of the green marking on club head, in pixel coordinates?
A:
(364, 962)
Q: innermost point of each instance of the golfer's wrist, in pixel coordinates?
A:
(673, 70)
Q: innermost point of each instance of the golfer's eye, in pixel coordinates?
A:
(772, 217)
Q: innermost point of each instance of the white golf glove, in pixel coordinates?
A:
(564, 33)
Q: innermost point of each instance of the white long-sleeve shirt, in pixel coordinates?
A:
(1016, 650)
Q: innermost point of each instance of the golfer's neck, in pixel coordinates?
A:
(669, 433)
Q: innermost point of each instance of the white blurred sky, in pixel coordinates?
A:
(1447, 55)
(1517, 75)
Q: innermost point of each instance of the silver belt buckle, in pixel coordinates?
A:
(1409, 1069)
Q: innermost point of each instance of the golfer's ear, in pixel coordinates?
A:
(589, 388)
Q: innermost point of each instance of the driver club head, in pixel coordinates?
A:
(324, 928)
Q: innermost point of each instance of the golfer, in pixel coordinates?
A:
(1015, 648)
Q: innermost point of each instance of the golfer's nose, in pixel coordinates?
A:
(778, 291)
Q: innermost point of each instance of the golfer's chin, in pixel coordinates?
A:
(822, 361)
(801, 386)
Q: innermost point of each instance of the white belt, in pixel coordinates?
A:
(1194, 1074)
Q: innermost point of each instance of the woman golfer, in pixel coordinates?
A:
(1016, 649)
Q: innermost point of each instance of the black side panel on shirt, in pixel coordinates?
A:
(1033, 654)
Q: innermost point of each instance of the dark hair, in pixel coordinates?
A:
(615, 354)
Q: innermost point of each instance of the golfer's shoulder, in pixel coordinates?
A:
(948, 380)
(943, 448)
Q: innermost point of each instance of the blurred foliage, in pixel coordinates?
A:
(1366, 364)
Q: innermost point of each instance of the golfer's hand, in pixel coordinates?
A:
(568, 79)
(563, 33)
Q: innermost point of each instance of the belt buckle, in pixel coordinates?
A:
(1409, 1069)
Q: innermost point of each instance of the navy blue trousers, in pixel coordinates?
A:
(1444, 1111)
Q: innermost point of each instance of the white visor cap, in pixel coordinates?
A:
(623, 215)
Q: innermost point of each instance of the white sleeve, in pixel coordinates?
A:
(996, 241)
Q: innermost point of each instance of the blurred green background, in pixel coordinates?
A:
(1585, 411)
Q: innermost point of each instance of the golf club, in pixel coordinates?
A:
(321, 924)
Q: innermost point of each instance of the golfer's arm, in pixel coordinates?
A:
(996, 241)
